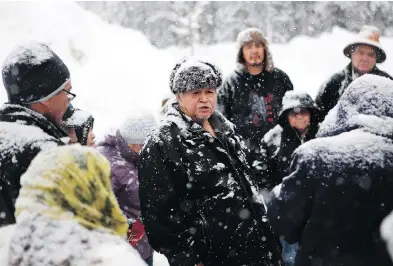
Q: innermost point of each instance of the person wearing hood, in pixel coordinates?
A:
(297, 123)
(251, 95)
(365, 53)
(38, 87)
(339, 187)
(122, 150)
(67, 214)
(79, 126)
(199, 200)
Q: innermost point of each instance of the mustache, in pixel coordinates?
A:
(202, 106)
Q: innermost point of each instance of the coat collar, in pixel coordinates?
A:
(191, 129)
(23, 115)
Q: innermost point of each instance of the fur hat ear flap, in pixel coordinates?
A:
(217, 72)
(174, 70)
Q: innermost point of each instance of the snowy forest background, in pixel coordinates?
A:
(183, 23)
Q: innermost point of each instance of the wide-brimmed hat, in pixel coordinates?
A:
(368, 35)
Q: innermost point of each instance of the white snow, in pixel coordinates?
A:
(246, 35)
(18, 136)
(78, 118)
(31, 53)
(219, 166)
(291, 99)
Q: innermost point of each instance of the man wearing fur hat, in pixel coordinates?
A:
(38, 87)
(365, 52)
(251, 96)
(198, 197)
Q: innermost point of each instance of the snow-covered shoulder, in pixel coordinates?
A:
(368, 95)
(273, 136)
(357, 147)
(16, 137)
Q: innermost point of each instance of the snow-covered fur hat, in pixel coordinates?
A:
(368, 35)
(194, 74)
(254, 34)
(136, 127)
(33, 72)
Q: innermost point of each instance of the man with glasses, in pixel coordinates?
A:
(38, 86)
(365, 52)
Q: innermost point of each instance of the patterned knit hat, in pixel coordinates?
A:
(136, 128)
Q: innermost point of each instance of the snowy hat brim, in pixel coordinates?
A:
(381, 55)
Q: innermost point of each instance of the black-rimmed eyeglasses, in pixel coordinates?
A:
(70, 95)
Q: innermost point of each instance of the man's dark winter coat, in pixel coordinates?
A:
(331, 91)
(198, 199)
(23, 134)
(252, 102)
(340, 184)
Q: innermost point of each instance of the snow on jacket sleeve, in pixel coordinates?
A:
(291, 201)
(161, 212)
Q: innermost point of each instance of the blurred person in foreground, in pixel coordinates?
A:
(67, 213)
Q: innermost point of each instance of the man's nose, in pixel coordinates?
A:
(203, 97)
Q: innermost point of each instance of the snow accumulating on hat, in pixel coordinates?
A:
(194, 74)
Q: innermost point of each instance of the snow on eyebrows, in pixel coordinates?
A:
(32, 53)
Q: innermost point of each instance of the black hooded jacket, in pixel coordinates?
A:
(280, 142)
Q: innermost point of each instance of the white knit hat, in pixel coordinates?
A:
(136, 127)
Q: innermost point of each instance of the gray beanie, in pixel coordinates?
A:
(254, 34)
(136, 128)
